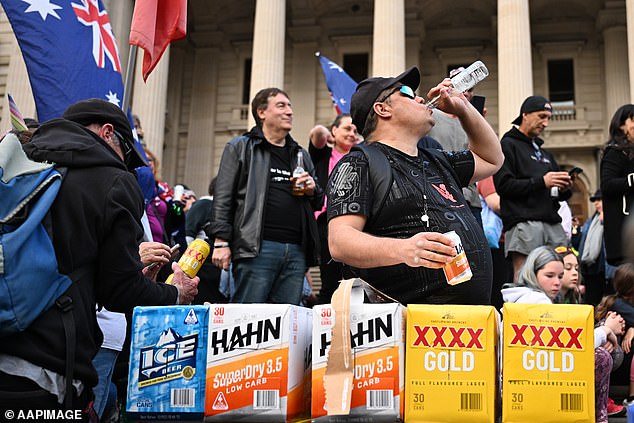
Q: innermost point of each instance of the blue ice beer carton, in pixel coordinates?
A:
(168, 359)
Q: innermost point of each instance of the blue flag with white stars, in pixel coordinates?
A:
(340, 84)
(70, 52)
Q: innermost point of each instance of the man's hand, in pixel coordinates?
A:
(309, 183)
(155, 252)
(187, 287)
(221, 257)
(320, 136)
(557, 179)
(451, 100)
(428, 249)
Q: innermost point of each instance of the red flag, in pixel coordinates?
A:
(155, 24)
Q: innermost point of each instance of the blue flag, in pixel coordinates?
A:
(71, 54)
(69, 50)
(339, 83)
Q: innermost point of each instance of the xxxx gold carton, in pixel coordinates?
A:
(258, 363)
(548, 364)
(168, 355)
(372, 390)
(451, 367)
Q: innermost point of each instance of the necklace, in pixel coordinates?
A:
(413, 177)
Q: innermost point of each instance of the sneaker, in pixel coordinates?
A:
(615, 410)
(628, 401)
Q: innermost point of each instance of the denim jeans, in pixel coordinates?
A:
(104, 364)
(276, 275)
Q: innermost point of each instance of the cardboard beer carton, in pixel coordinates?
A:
(548, 363)
(258, 363)
(363, 378)
(168, 356)
(451, 367)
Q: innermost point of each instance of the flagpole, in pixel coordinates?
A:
(129, 78)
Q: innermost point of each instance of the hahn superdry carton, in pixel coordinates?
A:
(451, 367)
(258, 363)
(548, 363)
(366, 374)
(168, 357)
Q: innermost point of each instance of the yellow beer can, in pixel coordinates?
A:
(193, 258)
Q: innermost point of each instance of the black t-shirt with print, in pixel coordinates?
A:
(283, 213)
(351, 192)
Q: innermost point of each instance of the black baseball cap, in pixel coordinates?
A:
(95, 110)
(596, 196)
(369, 89)
(534, 103)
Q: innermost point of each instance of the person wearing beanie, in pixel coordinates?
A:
(395, 239)
(530, 185)
(95, 231)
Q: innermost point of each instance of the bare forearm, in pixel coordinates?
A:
(482, 139)
(363, 250)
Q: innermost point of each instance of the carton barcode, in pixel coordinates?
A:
(379, 399)
(571, 402)
(470, 402)
(266, 399)
(183, 397)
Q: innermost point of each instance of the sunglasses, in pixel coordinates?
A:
(565, 250)
(403, 89)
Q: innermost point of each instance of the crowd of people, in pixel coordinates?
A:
(376, 195)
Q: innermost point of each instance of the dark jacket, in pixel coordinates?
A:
(95, 223)
(240, 197)
(617, 186)
(520, 182)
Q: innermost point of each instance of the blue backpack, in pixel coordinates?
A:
(30, 282)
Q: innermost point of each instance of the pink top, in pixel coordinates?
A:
(335, 156)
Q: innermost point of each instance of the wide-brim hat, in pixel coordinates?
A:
(95, 110)
(369, 89)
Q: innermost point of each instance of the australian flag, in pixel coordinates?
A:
(70, 52)
(339, 83)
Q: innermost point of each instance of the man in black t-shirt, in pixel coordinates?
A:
(267, 233)
(400, 248)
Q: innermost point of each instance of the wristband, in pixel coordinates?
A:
(221, 245)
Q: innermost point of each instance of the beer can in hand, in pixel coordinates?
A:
(193, 258)
(457, 270)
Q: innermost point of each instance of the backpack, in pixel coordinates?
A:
(29, 280)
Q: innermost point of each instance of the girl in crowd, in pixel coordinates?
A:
(622, 302)
(570, 292)
(617, 181)
(539, 282)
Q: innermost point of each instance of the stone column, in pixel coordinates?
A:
(630, 44)
(120, 15)
(617, 89)
(515, 77)
(303, 90)
(267, 67)
(611, 21)
(149, 101)
(388, 38)
(199, 156)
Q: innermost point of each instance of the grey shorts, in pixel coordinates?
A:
(526, 236)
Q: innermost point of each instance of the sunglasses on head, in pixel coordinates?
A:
(564, 250)
(403, 89)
